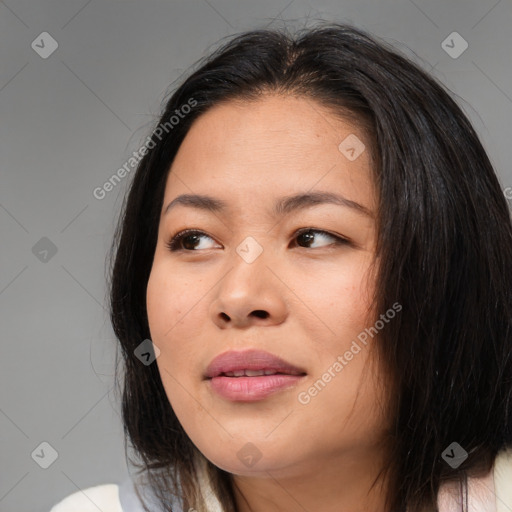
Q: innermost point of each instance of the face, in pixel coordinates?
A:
(294, 282)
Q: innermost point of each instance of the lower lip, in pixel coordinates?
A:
(250, 389)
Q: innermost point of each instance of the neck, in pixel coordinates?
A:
(344, 482)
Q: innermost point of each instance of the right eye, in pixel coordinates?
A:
(187, 237)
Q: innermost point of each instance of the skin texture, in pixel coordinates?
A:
(323, 455)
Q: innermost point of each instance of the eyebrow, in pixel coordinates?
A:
(283, 206)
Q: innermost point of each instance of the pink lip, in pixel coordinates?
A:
(249, 360)
(247, 388)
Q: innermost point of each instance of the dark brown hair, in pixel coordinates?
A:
(444, 246)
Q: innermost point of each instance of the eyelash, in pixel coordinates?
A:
(173, 243)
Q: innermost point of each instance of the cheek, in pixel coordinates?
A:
(170, 300)
(172, 309)
(176, 315)
(340, 295)
(342, 300)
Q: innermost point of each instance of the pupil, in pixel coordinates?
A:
(308, 236)
(185, 239)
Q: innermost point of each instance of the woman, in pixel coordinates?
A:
(312, 290)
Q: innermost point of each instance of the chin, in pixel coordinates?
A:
(236, 467)
(246, 458)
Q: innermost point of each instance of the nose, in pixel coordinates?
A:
(249, 294)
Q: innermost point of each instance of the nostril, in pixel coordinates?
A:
(260, 313)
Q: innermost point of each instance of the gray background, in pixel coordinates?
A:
(69, 121)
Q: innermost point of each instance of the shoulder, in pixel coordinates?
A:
(503, 480)
(100, 497)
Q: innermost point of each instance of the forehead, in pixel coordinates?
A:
(272, 146)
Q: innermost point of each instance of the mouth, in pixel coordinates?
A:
(255, 373)
(250, 375)
(250, 363)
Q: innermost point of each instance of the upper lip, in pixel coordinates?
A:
(251, 359)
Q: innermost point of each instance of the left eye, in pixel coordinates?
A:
(309, 234)
(192, 237)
